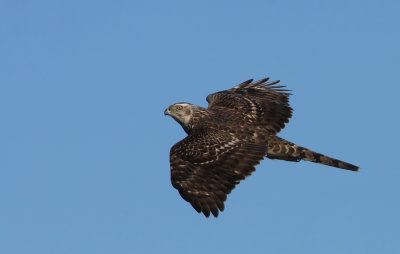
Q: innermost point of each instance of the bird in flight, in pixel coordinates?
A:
(229, 138)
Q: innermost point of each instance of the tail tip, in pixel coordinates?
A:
(352, 168)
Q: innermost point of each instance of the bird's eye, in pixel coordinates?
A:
(179, 107)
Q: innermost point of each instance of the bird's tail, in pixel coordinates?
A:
(281, 149)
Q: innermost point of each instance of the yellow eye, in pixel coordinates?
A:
(179, 107)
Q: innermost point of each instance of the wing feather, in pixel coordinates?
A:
(262, 103)
(206, 167)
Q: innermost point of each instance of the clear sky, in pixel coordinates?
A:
(84, 154)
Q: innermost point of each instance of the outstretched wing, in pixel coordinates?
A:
(207, 165)
(263, 104)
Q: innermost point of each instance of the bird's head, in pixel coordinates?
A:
(182, 113)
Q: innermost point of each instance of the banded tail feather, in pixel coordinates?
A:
(281, 149)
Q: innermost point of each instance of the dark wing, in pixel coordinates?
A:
(264, 104)
(206, 166)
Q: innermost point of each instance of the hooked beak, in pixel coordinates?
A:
(166, 112)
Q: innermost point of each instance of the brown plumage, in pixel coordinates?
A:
(228, 139)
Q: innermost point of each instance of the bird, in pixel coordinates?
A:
(226, 140)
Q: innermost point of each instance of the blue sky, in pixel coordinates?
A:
(84, 160)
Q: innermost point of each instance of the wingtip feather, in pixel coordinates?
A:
(244, 84)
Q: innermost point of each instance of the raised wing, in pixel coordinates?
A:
(206, 166)
(263, 104)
